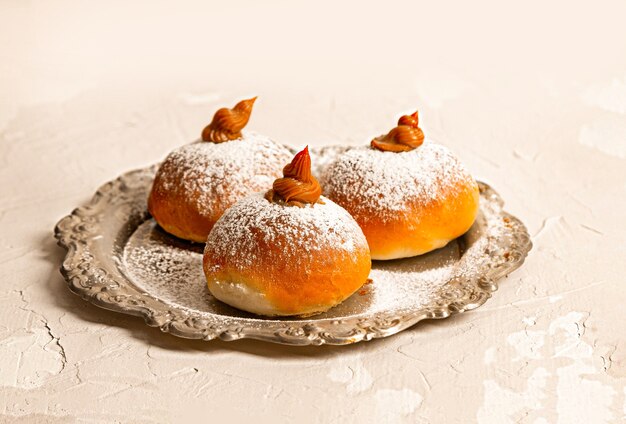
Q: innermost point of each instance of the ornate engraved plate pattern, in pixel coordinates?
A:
(118, 259)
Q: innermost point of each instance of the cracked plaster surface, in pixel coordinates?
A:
(546, 132)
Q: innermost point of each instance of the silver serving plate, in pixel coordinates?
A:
(119, 259)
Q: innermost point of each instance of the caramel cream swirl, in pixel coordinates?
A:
(406, 136)
(228, 123)
(298, 185)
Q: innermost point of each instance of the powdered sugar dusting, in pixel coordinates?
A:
(390, 183)
(322, 157)
(171, 270)
(228, 171)
(152, 258)
(255, 222)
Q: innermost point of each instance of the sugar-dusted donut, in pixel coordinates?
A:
(408, 194)
(197, 182)
(288, 251)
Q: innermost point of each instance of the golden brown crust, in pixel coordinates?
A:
(176, 213)
(422, 227)
(196, 183)
(406, 203)
(332, 275)
(272, 259)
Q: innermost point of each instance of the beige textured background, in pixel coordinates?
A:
(531, 95)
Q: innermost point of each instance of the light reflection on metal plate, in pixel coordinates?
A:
(119, 259)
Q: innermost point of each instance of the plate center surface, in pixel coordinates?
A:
(170, 269)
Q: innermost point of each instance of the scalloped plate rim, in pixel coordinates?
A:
(296, 332)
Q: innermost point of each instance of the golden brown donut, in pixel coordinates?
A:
(197, 182)
(409, 195)
(288, 251)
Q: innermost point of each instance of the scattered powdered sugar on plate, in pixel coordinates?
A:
(227, 171)
(170, 269)
(391, 182)
(255, 222)
(118, 258)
